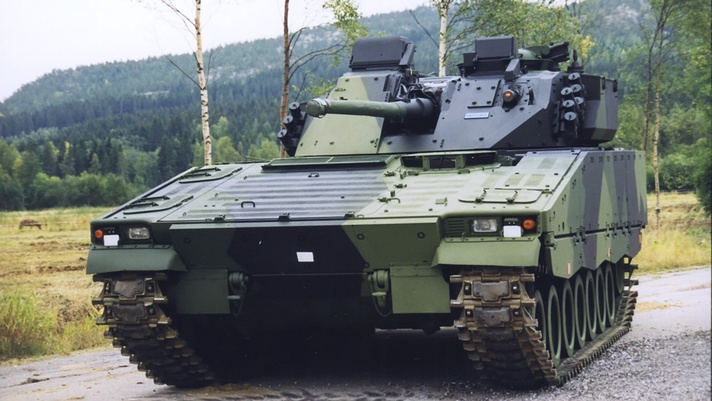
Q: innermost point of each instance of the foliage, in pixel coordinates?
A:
(702, 174)
(24, 326)
(347, 19)
(532, 23)
(267, 150)
(139, 121)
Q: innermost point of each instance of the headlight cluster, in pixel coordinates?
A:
(507, 227)
(114, 236)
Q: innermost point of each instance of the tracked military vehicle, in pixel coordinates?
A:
(486, 201)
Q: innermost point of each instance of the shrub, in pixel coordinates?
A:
(702, 175)
(25, 328)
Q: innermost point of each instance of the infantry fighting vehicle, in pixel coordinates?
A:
(484, 201)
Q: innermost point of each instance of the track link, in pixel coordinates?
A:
(501, 336)
(138, 325)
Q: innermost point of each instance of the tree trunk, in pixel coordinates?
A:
(656, 172)
(285, 74)
(442, 10)
(202, 84)
(653, 92)
(648, 95)
(656, 122)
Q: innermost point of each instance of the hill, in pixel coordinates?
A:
(100, 134)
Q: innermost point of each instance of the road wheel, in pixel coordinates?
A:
(553, 325)
(568, 319)
(601, 295)
(590, 289)
(540, 315)
(611, 304)
(580, 312)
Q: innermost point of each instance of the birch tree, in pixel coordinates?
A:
(442, 7)
(193, 26)
(533, 23)
(452, 37)
(659, 44)
(346, 19)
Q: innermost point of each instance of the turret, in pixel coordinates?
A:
(504, 98)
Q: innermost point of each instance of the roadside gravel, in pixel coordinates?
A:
(668, 368)
(672, 368)
(666, 356)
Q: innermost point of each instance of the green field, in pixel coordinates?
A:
(45, 297)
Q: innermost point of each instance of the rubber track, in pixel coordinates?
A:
(151, 343)
(513, 352)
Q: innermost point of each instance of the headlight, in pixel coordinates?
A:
(138, 233)
(484, 226)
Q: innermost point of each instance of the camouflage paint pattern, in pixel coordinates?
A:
(376, 214)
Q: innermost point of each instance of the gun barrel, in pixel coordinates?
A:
(321, 107)
(397, 111)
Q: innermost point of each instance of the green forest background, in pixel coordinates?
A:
(99, 135)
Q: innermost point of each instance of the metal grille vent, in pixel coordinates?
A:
(455, 227)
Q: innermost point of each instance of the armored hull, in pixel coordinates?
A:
(464, 205)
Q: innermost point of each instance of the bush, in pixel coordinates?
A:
(675, 172)
(702, 175)
(25, 328)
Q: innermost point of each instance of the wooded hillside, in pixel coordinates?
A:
(101, 134)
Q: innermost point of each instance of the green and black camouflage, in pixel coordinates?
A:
(485, 201)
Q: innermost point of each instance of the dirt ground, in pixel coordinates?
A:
(673, 317)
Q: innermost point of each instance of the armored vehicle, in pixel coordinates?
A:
(484, 201)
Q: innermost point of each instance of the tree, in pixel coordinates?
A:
(168, 158)
(451, 35)
(95, 166)
(702, 174)
(346, 17)
(66, 166)
(26, 168)
(11, 195)
(533, 23)
(8, 155)
(442, 7)
(658, 44)
(193, 26)
(225, 152)
(268, 150)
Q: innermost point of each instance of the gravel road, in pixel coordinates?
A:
(665, 357)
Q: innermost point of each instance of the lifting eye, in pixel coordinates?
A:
(510, 96)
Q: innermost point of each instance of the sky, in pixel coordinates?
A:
(38, 36)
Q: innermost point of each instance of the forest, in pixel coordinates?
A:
(102, 134)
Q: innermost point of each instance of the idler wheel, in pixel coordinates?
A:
(620, 279)
(553, 325)
(568, 319)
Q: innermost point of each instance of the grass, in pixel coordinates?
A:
(45, 296)
(683, 239)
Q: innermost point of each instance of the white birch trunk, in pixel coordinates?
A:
(442, 10)
(202, 83)
(285, 74)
